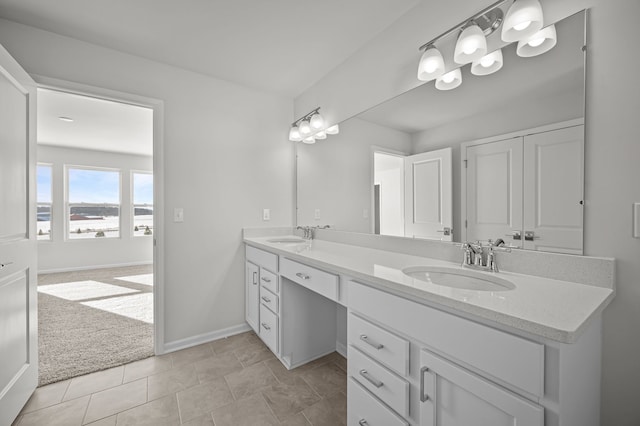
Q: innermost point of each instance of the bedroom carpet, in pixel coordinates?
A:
(93, 320)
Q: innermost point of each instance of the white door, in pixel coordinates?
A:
(453, 396)
(553, 190)
(252, 296)
(494, 191)
(18, 250)
(428, 195)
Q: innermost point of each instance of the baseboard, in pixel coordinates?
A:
(205, 338)
(85, 268)
(341, 348)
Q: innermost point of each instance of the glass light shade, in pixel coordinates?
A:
(431, 65)
(471, 45)
(333, 130)
(294, 134)
(320, 135)
(538, 43)
(488, 64)
(309, 140)
(450, 80)
(305, 128)
(524, 18)
(316, 122)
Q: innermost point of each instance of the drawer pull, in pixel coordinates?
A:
(266, 299)
(303, 276)
(265, 279)
(365, 339)
(375, 382)
(423, 397)
(266, 327)
(363, 422)
(255, 278)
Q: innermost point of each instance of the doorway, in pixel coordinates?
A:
(97, 229)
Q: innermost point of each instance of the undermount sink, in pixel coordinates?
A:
(286, 240)
(458, 278)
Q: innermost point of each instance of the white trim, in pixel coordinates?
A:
(85, 268)
(205, 338)
(157, 106)
(372, 176)
(341, 348)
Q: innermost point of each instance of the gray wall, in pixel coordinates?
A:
(612, 150)
(226, 157)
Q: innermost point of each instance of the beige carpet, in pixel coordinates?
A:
(93, 320)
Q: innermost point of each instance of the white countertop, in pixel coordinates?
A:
(552, 309)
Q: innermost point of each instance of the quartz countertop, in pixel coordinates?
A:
(552, 309)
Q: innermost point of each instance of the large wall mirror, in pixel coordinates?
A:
(500, 156)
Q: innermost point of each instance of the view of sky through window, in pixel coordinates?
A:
(142, 188)
(44, 183)
(94, 186)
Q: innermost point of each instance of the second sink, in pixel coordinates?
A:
(458, 278)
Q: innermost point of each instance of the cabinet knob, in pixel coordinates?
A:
(266, 327)
(303, 276)
(363, 422)
(266, 299)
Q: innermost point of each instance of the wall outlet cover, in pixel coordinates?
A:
(266, 214)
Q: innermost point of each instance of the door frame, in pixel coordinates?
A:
(497, 138)
(373, 149)
(157, 106)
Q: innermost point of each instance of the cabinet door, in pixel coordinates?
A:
(453, 396)
(494, 191)
(252, 295)
(553, 190)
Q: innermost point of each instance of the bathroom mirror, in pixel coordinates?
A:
(355, 180)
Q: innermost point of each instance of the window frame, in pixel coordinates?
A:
(68, 205)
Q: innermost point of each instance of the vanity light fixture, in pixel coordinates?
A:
(311, 127)
(66, 119)
(450, 80)
(522, 23)
(488, 64)
(538, 43)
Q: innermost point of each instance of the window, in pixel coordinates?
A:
(93, 197)
(142, 203)
(43, 224)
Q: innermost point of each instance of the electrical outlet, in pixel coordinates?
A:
(178, 214)
(266, 214)
(316, 214)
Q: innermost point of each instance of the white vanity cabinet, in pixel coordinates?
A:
(262, 295)
(252, 295)
(428, 367)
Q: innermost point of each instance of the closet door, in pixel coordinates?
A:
(553, 190)
(494, 191)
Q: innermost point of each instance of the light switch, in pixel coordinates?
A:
(266, 214)
(178, 214)
(636, 220)
(316, 214)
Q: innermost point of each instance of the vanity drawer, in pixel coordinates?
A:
(269, 280)
(269, 299)
(387, 386)
(269, 328)
(365, 410)
(381, 345)
(314, 279)
(262, 258)
(503, 356)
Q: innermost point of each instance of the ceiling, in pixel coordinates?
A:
(279, 46)
(97, 124)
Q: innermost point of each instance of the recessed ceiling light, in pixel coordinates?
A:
(67, 119)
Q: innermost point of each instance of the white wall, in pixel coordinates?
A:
(58, 254)
(390, 177)
(226, 157)
(340, 185)
(612, 150)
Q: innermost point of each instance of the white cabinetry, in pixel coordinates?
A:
(252, 294)
(262, 296)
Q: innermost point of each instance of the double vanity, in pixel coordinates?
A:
(429, 342)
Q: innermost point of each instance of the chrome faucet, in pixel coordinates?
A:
(474, 253)
(309, 231)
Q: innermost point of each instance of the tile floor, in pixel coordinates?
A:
(235, 381)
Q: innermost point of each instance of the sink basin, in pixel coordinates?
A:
(458, 278)
(286, 240)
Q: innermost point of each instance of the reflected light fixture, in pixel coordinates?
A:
(431, 64)
(450, 80)
(311, 127)
(471, 45)
(538, 43)
(523, 19)
(488, 64)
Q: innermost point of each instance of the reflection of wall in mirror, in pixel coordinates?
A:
(389, 177)
(335, 175)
